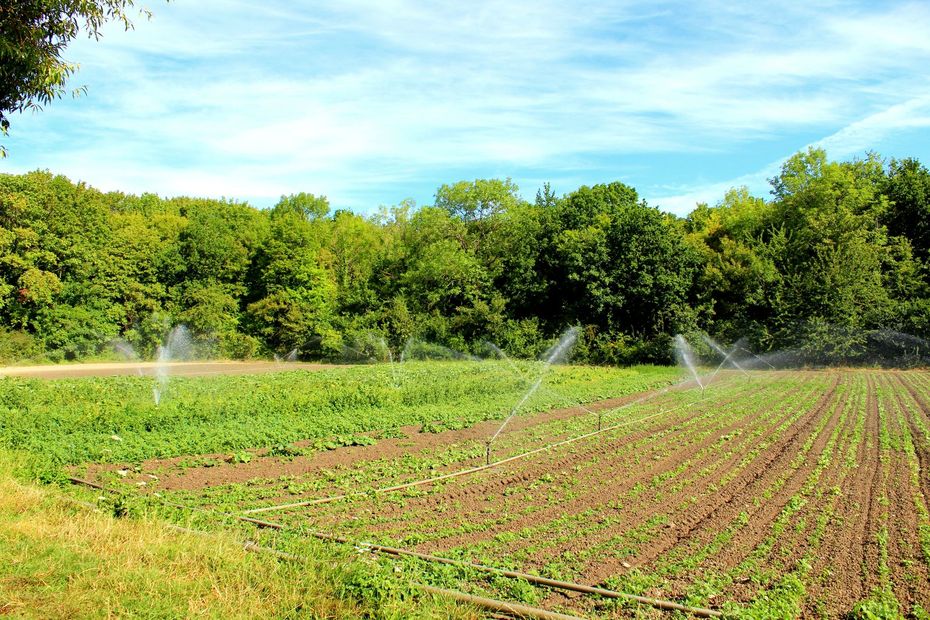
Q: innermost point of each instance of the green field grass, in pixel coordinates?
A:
(64, 560)
(106, 556)
(115, 420)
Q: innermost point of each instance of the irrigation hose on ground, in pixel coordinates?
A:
(494, 605)
(511, 609)
(543, 581)
(464, 472)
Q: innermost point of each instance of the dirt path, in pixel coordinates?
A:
(148, 369)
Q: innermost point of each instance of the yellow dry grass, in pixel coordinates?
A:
(58, 560)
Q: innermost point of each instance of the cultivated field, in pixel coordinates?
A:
(782, 494)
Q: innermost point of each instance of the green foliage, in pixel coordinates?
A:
(908, 190)
(881, 605)
(836, 257)
(781, 601)
(18, 346)
(115, 419)
(622, 265)
(33, 37)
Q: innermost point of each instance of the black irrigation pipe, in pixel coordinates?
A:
(511, 609)
(492, 605)
(394, 551)
(543, 581)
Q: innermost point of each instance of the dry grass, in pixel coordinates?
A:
(64, 561)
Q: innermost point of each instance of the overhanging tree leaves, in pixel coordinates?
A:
(33, 37)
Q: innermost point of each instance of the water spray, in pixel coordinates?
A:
(757, 357)
(727, 357)
(685, 356)
(177, 345)
(560, 349)
(516, 370)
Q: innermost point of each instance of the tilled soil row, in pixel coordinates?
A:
(871, 504)
(844, 544)
(705, 465)
(468, 496)
(909, 569)
(413, 442)
(701, 522)
(607, 475)
(921, 445)
(798, 545)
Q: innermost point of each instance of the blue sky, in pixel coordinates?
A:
(372, 102)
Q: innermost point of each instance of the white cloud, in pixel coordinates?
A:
(346, 98)
(866, 133)
(850, 141)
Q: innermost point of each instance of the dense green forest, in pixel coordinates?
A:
(837, 253)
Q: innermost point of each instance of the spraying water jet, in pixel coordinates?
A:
(685, 356)
(556, 353)
(727, 356)
(177, 345)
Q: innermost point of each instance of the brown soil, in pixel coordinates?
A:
(910, 572)
(846, 530)
(173, 477)
(703, 520)
(666, 458)
(591, 507)
(613, 471)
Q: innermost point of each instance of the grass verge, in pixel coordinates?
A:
(65, 560)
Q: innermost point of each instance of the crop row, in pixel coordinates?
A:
(116, 420)
(416, 464)
(754, 498)
(635, 434)
(788, 494)
(844, 540)
(727, 418)
(601, 468)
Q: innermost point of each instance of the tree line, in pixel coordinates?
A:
(837, 253)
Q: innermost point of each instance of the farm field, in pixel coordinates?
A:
(780, 494)
(185, 369)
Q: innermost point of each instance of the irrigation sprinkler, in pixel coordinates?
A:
(685, 356)
(555, 353)
(469, 471)
(519, 373)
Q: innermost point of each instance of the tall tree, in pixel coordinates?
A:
(621, 265)
(908, 191)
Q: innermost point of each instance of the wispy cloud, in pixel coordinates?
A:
(370, 102)
(854, 140)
